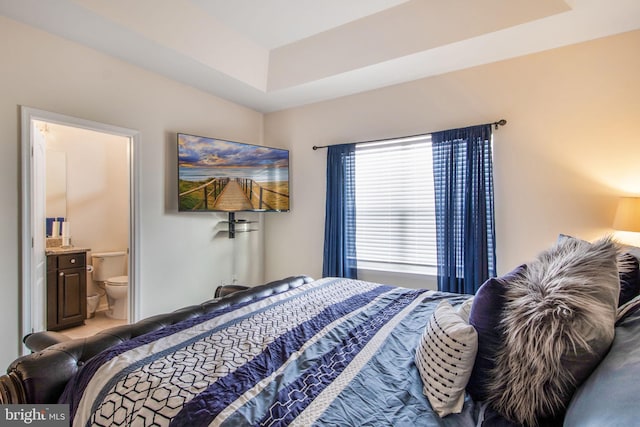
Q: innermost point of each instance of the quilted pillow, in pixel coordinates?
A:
(444, 358)
(557, 324)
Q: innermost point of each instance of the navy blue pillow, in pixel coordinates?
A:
(629, 280)
(485, 316)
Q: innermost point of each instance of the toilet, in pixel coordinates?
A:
(109, 273)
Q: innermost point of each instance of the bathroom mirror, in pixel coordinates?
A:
(56, 184)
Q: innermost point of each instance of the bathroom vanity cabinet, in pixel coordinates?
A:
(66, 289)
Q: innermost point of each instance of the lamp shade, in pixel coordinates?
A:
(628, 214)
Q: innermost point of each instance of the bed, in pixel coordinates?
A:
(296, 351)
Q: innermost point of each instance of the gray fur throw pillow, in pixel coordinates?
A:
(557, 324)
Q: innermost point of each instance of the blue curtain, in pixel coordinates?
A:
(340, 222)
(465, 226)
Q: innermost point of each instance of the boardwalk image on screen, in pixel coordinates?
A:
(219, 175)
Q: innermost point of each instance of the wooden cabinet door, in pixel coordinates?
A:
(66, 290)
(72, 296)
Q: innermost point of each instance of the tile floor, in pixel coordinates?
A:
(98, 323)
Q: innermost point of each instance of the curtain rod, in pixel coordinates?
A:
(500, 122)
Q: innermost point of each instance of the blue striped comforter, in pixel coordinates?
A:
(332, 352)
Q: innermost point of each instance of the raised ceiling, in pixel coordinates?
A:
(275, 54)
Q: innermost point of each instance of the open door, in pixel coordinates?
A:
(33, 230)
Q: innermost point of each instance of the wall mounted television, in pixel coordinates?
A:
(215, 175)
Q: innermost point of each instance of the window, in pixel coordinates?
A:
(395, 211)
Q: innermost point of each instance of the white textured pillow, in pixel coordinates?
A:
(464, 309)
(445, 357)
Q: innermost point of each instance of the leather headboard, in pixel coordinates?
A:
(41, 377)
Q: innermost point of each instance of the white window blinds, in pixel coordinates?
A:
(395, 212)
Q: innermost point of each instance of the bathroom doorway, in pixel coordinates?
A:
(101, 158)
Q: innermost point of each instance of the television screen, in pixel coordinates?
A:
(218, 175)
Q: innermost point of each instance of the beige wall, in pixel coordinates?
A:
(570, 148)
(182, 259)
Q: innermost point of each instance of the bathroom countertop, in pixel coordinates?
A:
(65, 250)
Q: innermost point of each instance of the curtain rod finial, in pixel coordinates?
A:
(500, 122)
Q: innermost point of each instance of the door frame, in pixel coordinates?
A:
(29, 215)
